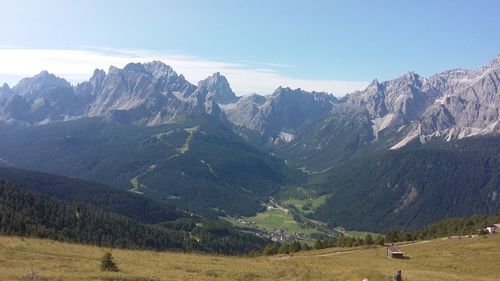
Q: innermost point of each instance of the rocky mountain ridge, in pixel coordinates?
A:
(158, 135)
(144, 94)
(450, 105)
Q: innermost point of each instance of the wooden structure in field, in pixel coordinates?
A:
(394, 252)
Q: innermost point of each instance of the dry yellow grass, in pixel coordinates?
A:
(471, 259)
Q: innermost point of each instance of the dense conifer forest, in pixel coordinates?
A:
(27, 213)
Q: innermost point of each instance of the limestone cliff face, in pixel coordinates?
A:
(449, 105)
(145, 94)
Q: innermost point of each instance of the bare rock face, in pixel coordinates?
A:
(144, 94)
(278, 117)
(393, 103)
(453, 104)
(449, 105)
(40, 85)
(5, 91)
(39, 100)
(218, 87)
(467, 103)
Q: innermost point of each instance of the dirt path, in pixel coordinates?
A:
(317, 255)
(416, 243)
(343, 252)
(337, 253)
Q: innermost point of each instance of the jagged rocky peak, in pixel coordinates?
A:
(492, 68)
(98, 73)
(97, 77)
(394, 95)
(406, 83)
(374, 84)
(218, 86)
(467, 104)
(156, 74)
(448, 76)
(495, 62)
(39, 85)
(411, 76)
(5, 89)
(290, 109)
(134, 66)
(158, 68)
(215, 79)
(457, 79)
(254, 98)
(286, 91)
(278, 116)
(93, 85)
(137, 67)
(155, 69)
(455, 103)
(113, 69)
(298, 93)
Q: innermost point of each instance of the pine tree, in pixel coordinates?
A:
(380, 240)
(368, 239)
(107, 263)
(318, 245)
(284, 249)
(295, 247)
(268, 250)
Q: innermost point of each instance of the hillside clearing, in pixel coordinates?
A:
(185, 146)
(306, 201)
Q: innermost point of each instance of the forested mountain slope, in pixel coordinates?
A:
(28, 213)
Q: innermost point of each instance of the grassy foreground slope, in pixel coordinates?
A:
(465, 259)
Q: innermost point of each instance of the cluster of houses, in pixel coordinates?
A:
(281, 236)
(278, 235)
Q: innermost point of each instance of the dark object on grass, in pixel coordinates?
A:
(397, 276)
(107, 263)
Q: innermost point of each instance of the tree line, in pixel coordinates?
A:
(450, 227)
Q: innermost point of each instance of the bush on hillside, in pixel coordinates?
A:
(107, 263)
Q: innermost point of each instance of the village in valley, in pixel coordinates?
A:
(306, 229)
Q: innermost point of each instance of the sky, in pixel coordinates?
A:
(332, 46)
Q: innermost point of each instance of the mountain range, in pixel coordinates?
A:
(451, 105)
(147, 129)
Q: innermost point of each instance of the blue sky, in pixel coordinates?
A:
(318, 45)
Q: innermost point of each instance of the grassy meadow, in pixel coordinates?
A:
(466, 259)
(278, 219)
